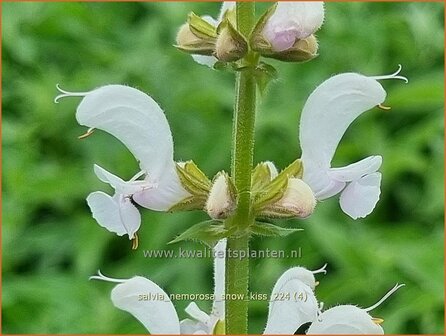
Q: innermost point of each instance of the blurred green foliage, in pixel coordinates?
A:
(51, 244)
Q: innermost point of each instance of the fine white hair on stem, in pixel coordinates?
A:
(395, 75)
(390, 292)
(102, 277)
(321, 270)
(64, 93)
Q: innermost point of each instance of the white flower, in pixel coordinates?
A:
(289, 313)
(293, 21)
(158, 314)
(328, 112)
(139, 123)
(292, 301)
(211, 60)
(348, 319)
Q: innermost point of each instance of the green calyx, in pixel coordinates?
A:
(267, 192)
(196, 183)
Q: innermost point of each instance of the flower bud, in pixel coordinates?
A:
(285, 31)
(297, 201)
(231, 45)
(221, 200)
(292, 21)
(301, 51)
(191, 43)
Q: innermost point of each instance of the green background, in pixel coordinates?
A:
(50, 243)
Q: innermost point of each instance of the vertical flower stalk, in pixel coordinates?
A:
(237, 269)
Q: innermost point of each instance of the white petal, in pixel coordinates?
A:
(210, 19)
(360, 197)
(218, 307)
(293, 21)
(158, 314)
(191, 327)
(226, 5)
(286, 315)
(328, 112)
(333, 188)
(117, 214)
(166, 194)
(196, 313)
(121, 186)
(205, 60)
(344, 319)
(357, 170)
(135, 119)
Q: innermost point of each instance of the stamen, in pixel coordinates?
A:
(384, 107)
(320, 270)
(390, 292)
(102, 277)
(377, 320)
(135, 242)
(392, 76)
(65, 93)
(316, 283)
(87, 134)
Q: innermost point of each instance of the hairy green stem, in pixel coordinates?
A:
(237, 268)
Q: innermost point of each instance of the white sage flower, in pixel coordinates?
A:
(157, 313)
(349, 319)
(328, 112)
(292, 301)
(139, 123)
(293, 306)
(293, 21)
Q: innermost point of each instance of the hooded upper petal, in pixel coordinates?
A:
(291, 21)
(359, 198)
(328, 112)
(157, 315)
(135, 119)
(286, 316)
(346, 319)
(117, 214)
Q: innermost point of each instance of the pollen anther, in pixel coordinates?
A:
(384, 107)
(87, 134)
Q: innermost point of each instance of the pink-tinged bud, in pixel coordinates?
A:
(297, 201)
(292, 21)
